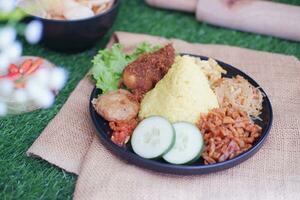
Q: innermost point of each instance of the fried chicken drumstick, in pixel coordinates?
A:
(141, 75)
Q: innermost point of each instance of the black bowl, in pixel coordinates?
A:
(76, 35)
(104, 133)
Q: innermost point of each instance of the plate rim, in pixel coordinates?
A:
(184, 169)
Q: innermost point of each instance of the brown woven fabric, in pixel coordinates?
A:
(65, 140)
(272, 173)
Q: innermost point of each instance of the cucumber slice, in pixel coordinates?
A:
(188, 144)
(153, 137)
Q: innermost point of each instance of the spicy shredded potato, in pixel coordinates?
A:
(238, 93)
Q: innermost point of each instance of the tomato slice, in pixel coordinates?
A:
(13, 68)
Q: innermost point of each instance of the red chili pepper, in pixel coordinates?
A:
(13, 68)
(25, 66)
(12, 76)
(37, 63)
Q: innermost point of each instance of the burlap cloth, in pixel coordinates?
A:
(69, 141)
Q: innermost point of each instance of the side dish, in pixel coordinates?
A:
(240, 94)
(141, 75)
(66, 9)
(227, 132)
(175, 107)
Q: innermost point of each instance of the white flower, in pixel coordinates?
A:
(7, 5)
(13, 51)
(7, 36)
(33, 32)
(45, 99)
(4, 62)
(6, 87)
(9, 48)
(32, 88)
(3, 109)
(20, 96)
(41, 77)
(41, 95)
(57, 79)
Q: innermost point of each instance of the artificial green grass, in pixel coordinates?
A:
(24, 177)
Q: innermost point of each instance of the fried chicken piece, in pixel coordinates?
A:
(116, 106)
(141, 75)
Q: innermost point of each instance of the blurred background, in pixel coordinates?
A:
(26, 178)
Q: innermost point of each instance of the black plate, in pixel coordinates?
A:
(104, 133)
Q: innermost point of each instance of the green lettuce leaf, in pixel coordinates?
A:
(108, 64)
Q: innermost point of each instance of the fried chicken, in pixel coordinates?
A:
(141, 75)
(116, 106)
